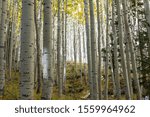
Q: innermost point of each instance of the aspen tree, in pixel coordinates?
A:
(75, 48)
(147, 14)
(107, 51)
(122, 52)
(117, 80)
(47, 51)
(93, 49)
(38, 40)
(87, 27)
(84, 58)
(80, 55)
(54, 48)
(2, 45)
(63, 43)
(60, 78)
(99, 51)
(65, 46)
(0, 11)
(12, 38)
(16, 43)
(133, 60)
(27, 50)
(128, 64)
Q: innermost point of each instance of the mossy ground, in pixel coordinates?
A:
(75, 89)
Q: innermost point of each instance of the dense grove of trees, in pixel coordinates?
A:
(107, 40)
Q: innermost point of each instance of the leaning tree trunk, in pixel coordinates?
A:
(128, 65)
(122, 52)
(93, 49)
(47, 51)
(107, 51)
(2, 45)
(27, 50)
(133, 60)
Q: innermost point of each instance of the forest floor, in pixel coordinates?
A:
(75, 88)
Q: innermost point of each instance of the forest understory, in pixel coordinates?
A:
(74, 89)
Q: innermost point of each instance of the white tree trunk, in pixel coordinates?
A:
(130, 42)
(2, 45)
(65, 46)
(93, 50)
(107, 51)
(63, 43)
(99, 51)
(0, 11)
(59, 72)
(12, 37)
(87, 27)
(47, 51)
(80, 55)
(129, 65)
(38, 29)
(122, 52)
(27, 50)
(117, 80)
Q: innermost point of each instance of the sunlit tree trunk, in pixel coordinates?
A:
(27, 50)
(47, 51)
